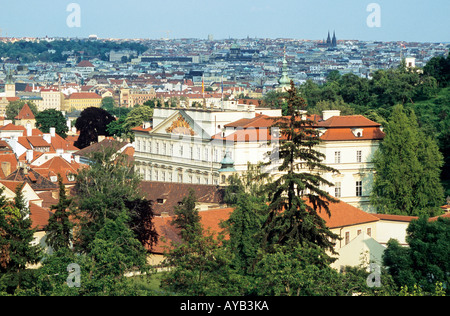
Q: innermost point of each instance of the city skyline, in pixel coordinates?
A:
(409, 21)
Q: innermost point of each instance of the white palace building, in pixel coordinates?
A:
(204, 145)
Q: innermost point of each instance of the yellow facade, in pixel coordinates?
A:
(80, 102)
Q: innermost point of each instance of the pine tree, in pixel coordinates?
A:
(16, 237)
(59, 228)
(187, 218)
(296, 196)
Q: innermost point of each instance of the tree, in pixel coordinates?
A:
(297, 271)
(17, 237)
(426, 261)
(59, 228)
(407, 168)
(244, 229)
(14, 107)
(187, 218)
(136, 117)
(296, 196)
(108, 104)
(92, 123)
(198, 265)
(104, 191)
(52, 118)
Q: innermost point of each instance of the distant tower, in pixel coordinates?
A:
(10, 86)
(227, 168)
(329, 39)
(284, 83)
(334, 40)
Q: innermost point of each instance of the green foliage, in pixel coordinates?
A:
(297, 271)
(296, 197)
(16, 237)
(407, 164)
(92, 123)
(28, 52)
(244, 228)
(59, 228)
(426, 261)
(104, 191)
(14, 107)
(52, 118)
(187, 218)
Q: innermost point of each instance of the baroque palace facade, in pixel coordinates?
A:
(205, 145)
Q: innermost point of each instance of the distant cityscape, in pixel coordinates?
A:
(247, 67)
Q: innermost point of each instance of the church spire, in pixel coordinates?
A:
(285, 81)
(334, 41)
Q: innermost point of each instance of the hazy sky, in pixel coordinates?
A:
(402, 20)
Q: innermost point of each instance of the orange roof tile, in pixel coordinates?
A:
(348, 121)
(85, 63)
(58, 165)
(395, 218)
(344, 214)
(25, 113)
(84, 95)
(341, 134)
(39, 216)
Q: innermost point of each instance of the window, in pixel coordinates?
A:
(359, 156)
(337, 189)
(369, 231)
(347, 238)
(337, 157)
(359, 232)
(358, 188)
(181, 150)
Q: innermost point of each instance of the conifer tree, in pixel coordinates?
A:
(187, 218)
(16, 236)
(59, 228)
(296, 197)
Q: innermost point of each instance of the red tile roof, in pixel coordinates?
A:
(84, 95)
(395, 218)
(39, 216)
(85, 63)
(344, 214)
(58, 165)
(348, 121)
(25, 113)
(209, 219)
(337, 134)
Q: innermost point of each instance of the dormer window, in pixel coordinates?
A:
(358, 132)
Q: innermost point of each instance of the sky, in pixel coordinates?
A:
(389, 20)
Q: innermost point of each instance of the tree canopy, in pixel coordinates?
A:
(92, 123)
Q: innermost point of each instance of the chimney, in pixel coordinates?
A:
(29, 155)
(29, 130)
(330, 113)
(52, 131)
